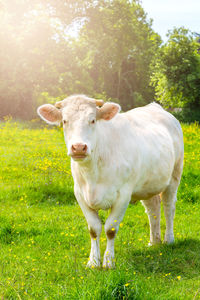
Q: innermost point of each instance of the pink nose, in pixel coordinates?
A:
(79, 149)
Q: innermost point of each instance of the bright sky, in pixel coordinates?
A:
(167, 14)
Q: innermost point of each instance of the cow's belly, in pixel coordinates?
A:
(102, 196)
(145, 194)
(152, 184)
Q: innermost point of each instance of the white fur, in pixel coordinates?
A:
(136, 155)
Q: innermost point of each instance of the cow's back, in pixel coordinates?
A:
(153, 119)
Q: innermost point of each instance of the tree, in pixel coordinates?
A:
(33, 52)
(176, 75)
(110, 57)
(115, 48)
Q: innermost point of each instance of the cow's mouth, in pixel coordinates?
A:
(78, 157)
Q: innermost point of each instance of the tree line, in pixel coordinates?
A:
(104, 48)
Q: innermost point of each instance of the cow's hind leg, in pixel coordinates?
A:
(169, 204)
(169, 197)
(152, 208)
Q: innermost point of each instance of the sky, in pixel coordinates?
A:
(167, 14)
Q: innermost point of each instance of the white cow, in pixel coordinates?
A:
(116, 158)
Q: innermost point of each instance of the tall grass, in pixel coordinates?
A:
(44, 240)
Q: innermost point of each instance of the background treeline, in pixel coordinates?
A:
(112, 54)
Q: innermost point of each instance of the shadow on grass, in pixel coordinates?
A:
(181, 258)
(52, 194)
(49, 193)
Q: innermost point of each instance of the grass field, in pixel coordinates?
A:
(44, 240)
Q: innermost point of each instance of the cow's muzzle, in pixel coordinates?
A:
(78, 151)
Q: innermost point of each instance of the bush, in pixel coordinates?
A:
(187, 115)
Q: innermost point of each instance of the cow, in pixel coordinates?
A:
(118, 158)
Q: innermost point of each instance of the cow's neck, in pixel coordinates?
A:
(100, 158)
(87, 171)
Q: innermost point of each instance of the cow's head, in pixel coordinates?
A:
(80, 116)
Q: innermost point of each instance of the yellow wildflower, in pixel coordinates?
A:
(126, 284)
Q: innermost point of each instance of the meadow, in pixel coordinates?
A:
(44, 240)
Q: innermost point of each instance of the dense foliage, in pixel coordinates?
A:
(109, 56)
(121, 45)
(176, 74)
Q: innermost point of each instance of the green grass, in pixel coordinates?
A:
(44, 240)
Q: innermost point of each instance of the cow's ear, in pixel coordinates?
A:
(108, 111)
(50, 114)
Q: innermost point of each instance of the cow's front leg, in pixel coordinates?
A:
(111, 228)
(95, 231)
(94, 226)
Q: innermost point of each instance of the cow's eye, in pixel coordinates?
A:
(64, 121)
(93, 121)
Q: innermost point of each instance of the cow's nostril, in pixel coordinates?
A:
(85, 148)
(73, 148)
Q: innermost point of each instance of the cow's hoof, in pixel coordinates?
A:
(93, 264)
(169, 239)
(156, 242)
(108, 262)
(168, 242)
